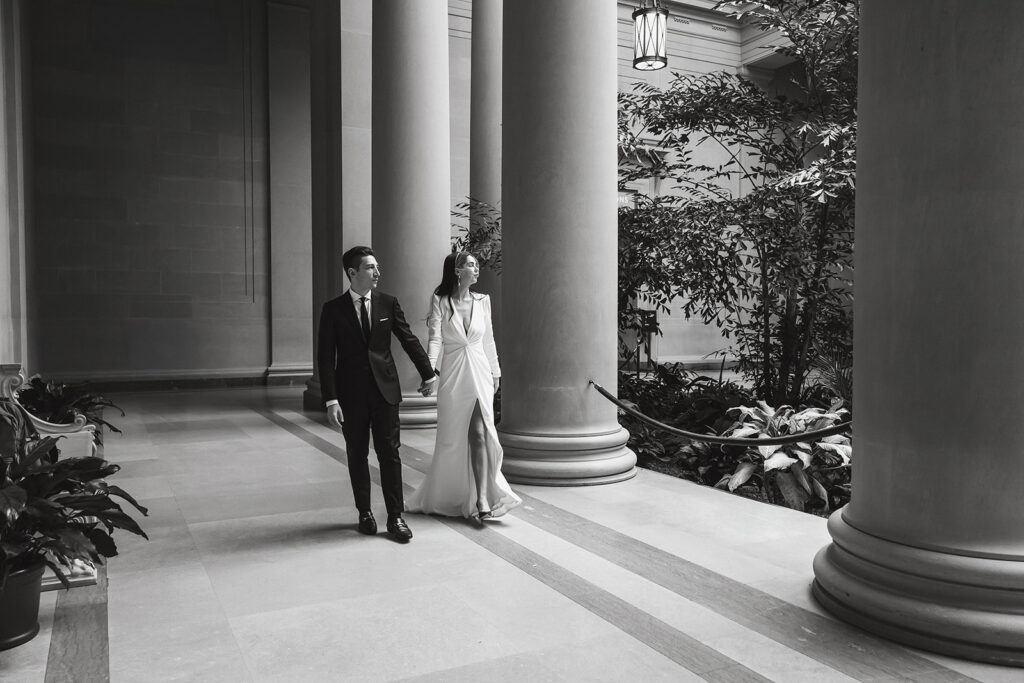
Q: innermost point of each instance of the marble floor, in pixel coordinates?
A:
(254, 572)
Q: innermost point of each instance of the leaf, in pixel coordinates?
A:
(778, 461)
(38, 449)
(820, 491)
(805, 456)
(12, 502)
(801, 477)
(121, 521)
(742, 475)
(844, 451)
(74, 543)
(103, 542)
(791, 492)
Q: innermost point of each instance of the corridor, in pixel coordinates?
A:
(254, 572)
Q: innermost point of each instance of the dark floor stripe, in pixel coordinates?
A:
(682, 649)
(79, 639)
(79, 645)
(835, 644)
(319, 443)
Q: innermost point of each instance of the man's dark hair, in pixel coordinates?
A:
(354, 256)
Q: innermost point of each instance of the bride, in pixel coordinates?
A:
(465, 476)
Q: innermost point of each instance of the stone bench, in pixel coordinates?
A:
(79, 437)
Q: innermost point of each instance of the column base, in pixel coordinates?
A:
(417, 412)
(312, 398)
(956, 605)
(567, 460)
(288, 374)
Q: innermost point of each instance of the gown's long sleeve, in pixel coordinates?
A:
(489, 346)
(434, 331)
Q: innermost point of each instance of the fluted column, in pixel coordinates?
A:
(485, 131)
(930, 551)
(13, 236)
(411, 168)
(559, 244)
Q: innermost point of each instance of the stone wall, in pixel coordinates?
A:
(148, 188)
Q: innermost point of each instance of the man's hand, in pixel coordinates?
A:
(427, 388)
(334, 415)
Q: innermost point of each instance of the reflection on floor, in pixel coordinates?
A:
(254, 571)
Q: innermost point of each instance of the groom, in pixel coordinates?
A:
(359, 382)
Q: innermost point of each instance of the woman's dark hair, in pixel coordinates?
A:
(449, 280)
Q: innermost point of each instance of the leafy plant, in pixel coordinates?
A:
(802, 474)
(649, 257)
(833, 374)
(684, 399)
(761, 240)
(59, 403)
(480, 229)
(54, 510)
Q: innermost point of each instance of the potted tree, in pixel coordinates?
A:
(52, 513)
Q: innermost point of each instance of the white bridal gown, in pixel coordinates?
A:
(470, 362)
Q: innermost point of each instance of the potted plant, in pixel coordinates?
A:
(52, 513)
(60, 403)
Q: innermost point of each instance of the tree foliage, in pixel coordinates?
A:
(760, 241)
(479, 232)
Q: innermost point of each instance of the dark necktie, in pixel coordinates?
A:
(364, 319)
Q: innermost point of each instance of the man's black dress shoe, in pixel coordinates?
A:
(399, 529)
(367, 524)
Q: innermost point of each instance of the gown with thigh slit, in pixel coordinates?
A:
(469, 364)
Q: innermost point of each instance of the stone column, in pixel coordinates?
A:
(560, 241)
(930, 551)
(326, 192)
(13, 271)
(288, 109)
(485, 131)
(411, 169)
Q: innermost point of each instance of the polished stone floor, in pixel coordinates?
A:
(254, 572)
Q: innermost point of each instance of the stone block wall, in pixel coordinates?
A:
(149, 251)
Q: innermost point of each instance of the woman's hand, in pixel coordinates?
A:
(497, 384)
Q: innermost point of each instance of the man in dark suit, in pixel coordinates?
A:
(360, 385)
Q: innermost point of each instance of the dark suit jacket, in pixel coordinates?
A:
(343, 356)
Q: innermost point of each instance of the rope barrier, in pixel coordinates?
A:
(725, 440)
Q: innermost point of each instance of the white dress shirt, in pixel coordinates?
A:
(355, 302)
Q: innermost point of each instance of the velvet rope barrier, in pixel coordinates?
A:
(725, 440)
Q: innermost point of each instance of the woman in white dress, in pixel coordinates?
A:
(465, 476)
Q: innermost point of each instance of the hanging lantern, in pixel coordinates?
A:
(650, 25)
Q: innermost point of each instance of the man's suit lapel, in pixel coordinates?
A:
(348, 311)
